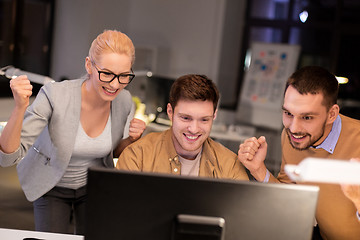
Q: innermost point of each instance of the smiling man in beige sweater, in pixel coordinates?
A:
(313, 127)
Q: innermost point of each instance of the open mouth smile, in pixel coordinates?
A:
(297, 137)
(191, 137)
(110, 91)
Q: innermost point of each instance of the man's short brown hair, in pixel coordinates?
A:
(193, 87)
(315, 80)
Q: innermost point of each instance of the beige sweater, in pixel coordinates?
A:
(155, 152)
(335, 215)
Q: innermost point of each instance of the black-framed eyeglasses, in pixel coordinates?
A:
(108, 77)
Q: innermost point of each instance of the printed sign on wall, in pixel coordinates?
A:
(262, 92)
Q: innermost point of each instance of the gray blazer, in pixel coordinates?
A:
(49, 131)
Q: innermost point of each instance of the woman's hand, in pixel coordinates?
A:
(22, 91)
(136, 129)
(10, 136)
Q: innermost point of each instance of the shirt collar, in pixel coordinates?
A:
(330, 141)
(167, 138)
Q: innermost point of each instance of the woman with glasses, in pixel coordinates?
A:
(71, 126)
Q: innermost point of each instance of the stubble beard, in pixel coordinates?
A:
(310, 142)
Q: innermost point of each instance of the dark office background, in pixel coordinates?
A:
(328, 38)
(26, 36)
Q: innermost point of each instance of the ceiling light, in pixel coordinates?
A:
(342, 80)
(303, 16)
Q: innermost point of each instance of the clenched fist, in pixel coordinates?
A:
(21, 90)
(252, 155)
(136, 129)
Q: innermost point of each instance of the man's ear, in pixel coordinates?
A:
(170, 111)
(215, 114)
(333, 113)
(88, 65)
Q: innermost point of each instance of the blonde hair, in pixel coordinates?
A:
(111, 41)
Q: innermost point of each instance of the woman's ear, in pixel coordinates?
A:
(88, 65)
(333, 113)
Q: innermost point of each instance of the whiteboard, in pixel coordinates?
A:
(260, 101)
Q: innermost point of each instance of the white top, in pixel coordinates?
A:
(88, 152)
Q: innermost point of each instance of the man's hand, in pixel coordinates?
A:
(352, 191)
(252, 155)
(136, 129)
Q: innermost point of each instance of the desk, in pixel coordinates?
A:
(13, 234)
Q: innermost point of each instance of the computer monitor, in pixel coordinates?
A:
(137, 206)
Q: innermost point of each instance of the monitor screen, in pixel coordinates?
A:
(134, 205)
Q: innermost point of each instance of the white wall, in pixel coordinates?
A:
(76, 24)
(188, 33)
